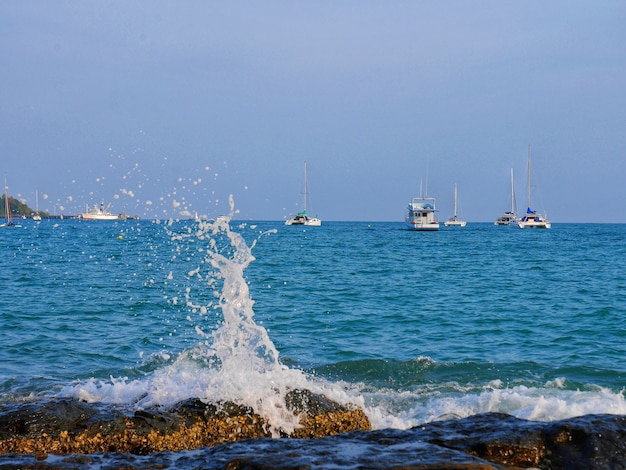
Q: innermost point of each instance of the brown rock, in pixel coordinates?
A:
(68, 426)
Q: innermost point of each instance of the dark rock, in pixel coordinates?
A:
(69, 426)
(305, 401)
(226, 435)
(595, 441)
(496, 437)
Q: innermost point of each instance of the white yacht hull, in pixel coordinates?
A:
(304, 220)
(423, 227)
(534, 224)
(455, 223)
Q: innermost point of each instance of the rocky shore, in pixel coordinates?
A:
(72, 427)
(193, 434)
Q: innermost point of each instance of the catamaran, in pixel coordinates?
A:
(509, 217)
(532, 219)
(302, 218)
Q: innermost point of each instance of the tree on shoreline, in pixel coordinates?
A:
(18, 209)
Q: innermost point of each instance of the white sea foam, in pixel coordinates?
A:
(532, 403)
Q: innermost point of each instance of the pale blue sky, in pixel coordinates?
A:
(162, 106)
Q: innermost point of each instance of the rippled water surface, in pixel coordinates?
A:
(414, 326)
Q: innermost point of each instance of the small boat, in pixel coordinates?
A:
(454, 221)
(509, 217)
(99, 213)
(421, 215)
(8, 217)
(532, 219)
(36, 215)
(302, 218)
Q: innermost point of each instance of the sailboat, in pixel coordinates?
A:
(509, 217)
(532, 219)
(7, 209)
(302, 218)
(454, 221)
(36, 216)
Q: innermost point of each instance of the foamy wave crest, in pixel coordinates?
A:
(548, 403)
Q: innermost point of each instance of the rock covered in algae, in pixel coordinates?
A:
(68, 426)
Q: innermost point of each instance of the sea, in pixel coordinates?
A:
(413, 327)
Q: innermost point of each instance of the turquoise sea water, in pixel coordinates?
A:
(412, 326)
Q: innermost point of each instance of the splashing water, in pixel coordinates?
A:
(236, 362)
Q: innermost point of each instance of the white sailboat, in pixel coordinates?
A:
(532, 219)
(454, 221)
(36, 216)
(8, 217)
(302, 218)
(509, 217)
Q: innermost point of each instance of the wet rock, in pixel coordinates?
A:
(586, 442)
(594, 441)
(496, 437)
(320, 416)
(226, 435)
(68, 426)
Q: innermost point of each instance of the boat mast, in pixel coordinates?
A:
(455, 200)
(7, 207)
(305, 187)
(513, 208)
(528, 188)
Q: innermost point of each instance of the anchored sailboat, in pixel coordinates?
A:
(36, 215)
(532, 219)
(509, 217)
(454, 221)
(302, 218)
(8, 217)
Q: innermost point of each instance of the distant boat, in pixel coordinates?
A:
(421, 215)
(454, 221)
(99, 213)
(8, 217)
(509, 217)
(36, 216)
(302, 218)
(532, 219)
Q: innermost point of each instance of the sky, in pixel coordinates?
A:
(166, 108)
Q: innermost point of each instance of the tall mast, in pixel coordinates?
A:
(7, 207)
(513, 208)
(528, 189)
(454, 199)
(305, 187)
